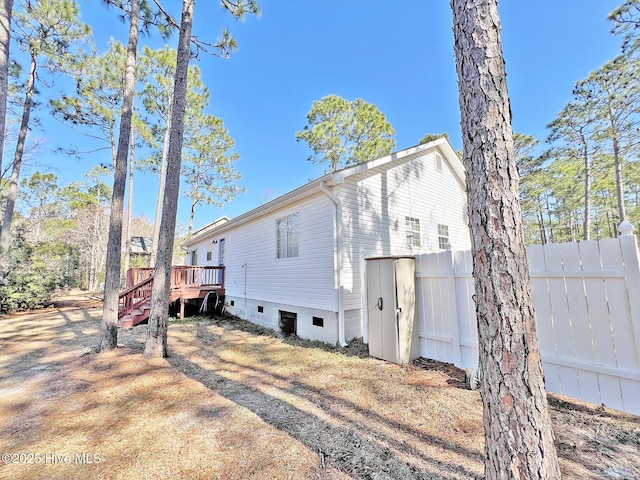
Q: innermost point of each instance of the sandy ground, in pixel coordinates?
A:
(234, 402)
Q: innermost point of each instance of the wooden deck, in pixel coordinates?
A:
(187, 282)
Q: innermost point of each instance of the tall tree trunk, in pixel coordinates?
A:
(548, 208)
(109, 325)
(191, 215)
(543, 232)
(156, 344)
(519, 441)
(587, 189)
(619, 184)
(6, 6)
(93, 263)
(163, 172)
(12, 194)
(194, 202)
(127, 238)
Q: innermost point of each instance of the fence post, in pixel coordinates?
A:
(629, 247)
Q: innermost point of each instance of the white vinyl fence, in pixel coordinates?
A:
(587, 302)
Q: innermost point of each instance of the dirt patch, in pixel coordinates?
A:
(77, 298)
(235, 401)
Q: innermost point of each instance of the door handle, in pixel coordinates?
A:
(380, 303)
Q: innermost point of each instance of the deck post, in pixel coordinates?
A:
(181, 307)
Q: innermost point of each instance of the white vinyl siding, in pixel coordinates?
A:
(308, 281)
(296, 265)
(376, 204)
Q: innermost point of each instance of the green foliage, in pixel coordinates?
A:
(157, 68)
(97, 100)
(343, 133)
(208, 168)
(93, 191)
(430, 137)
(626, 20)
(34, 272)
(51, 29)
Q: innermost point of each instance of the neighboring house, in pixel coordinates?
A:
(141, 250)
(298, 262)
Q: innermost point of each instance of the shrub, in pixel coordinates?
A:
(33, 274)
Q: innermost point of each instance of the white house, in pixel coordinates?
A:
(298, 262)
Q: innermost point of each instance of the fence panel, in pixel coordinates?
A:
(580, 324)
(544, 317)
(434, 304)
(587, 302)
(466, 308)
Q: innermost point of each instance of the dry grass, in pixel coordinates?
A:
(234, 402)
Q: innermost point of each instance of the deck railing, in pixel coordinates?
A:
(137, 275)
(183, 276)
(185, 280)
(193, 276)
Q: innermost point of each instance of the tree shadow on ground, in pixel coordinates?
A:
(349, 445)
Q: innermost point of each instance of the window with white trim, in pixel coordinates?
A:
(413, 231)
(443, 236)
(287, 231)
(194, 257)
(438, 162)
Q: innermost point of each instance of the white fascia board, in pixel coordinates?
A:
(296, 195)
(441, 144)
(331, 180)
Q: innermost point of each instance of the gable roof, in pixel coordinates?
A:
(141, 245)
(336, 178)
(210, 226)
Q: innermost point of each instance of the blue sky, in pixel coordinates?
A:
(398, 56)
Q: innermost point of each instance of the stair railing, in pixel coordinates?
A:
(134, 297)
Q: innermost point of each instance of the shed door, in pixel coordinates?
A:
(391, 306)
(380, 302)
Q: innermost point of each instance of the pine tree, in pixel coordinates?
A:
(519, 441)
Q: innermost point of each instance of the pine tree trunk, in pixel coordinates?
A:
(551, 237)
(156, 344)
(12, 194)
(194, 202)
(6, 6)
(587, 189)
(622, 216)
(109, 324)
(519, 441)
(163, 173)
(127, 238)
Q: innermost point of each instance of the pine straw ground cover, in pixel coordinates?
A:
(235, 402)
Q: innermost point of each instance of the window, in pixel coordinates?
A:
(413, 231)
(318, 321)
(194, 257)
(287, 236)
(443, 236)
(222, 254)
(438, 162)
(209, 254)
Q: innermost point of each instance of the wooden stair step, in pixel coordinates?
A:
(126, 322)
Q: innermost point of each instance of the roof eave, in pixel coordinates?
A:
(332, 180)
